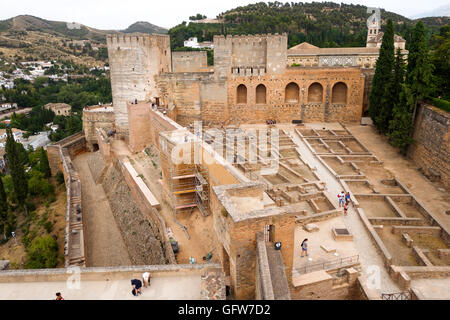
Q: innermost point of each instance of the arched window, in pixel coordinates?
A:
(261, 93)
(291, 93)
(339, 93)
(241, 94)
(315, 93)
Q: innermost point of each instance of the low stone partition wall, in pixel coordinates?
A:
(432, 231)
(396, 221)
(421, 272)
(387, 257)
(421, 257)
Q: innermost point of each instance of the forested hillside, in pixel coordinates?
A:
(322, 24)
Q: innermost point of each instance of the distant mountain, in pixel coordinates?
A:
(74, 31)
(27, 37)
(443, 11)
(144, 27)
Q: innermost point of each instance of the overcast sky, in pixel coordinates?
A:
(119, 14)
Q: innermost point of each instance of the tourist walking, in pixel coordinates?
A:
(59, 296)
(345, 209)
(341, 197)
(304, 246)
(347, 198)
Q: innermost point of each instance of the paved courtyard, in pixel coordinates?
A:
(162, 288)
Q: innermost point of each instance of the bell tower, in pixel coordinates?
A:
(373, 26)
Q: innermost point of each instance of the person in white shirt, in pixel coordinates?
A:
(146, 278)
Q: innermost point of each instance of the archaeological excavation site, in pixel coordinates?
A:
(211, 178)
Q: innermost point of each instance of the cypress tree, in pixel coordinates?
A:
(392, 94)
(3, 208)
(401, 125)
(419, 70)
(383, 74)
(44, 167)
(20, 183)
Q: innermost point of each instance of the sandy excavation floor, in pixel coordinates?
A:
(433, 195)
(105, 246)
(199, 228)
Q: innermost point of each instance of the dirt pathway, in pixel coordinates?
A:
(105, 246)
(433, 195)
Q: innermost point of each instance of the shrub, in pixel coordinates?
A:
(59, 177)
(42, 253)
(441, 104)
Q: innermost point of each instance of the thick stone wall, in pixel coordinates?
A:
(189, 61)
(142, 243)
(135, 60)
(278, 109)
(97, 117)
(198, 96)
(74, 144)
(140, 130)
(255, 53)
(431, 150)
(59, 157)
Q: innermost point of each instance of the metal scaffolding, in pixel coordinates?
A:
(202, 190)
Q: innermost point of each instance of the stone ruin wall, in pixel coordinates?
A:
(135, 60)
(431, 150)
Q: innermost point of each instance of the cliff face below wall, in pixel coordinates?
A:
(143, 246)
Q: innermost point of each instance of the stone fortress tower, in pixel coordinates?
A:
(252, 55)
(135, 60)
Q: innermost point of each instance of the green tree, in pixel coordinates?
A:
(419, 76)
(401, 125)
(383, 75)
(3, 208)
(44, 167)
(392, 94)
(441, 59)
(20, 184)
(42, 253)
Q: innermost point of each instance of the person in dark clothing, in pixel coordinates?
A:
(59, 296)
(304, 247)
(137, 285)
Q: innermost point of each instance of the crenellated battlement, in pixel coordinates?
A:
(255, 39)
(117, 40)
